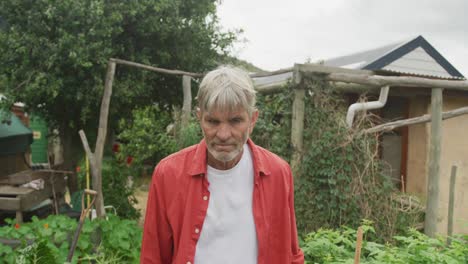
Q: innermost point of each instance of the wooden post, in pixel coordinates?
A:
(357, 253)
(95, 159)
(297, 126)
(101, 139)
(451, 205)
(187, 106)
(432, 206)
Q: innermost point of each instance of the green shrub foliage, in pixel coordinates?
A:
(327, 246)
(48, 241)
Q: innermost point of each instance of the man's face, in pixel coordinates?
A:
(225, 135)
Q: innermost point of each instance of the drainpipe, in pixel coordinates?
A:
(367, 105)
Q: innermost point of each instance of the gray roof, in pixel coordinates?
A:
(413, 57)
(361, 59)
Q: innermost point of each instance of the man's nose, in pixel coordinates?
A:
(224, 132)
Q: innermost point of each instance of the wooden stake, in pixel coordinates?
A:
(357, 254)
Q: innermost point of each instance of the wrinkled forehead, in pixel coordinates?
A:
(226, 112)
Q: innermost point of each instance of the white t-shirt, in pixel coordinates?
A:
(228, 234)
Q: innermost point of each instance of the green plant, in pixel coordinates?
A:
(117, 187)
(144, 137)
(328, 246)
(49, 239)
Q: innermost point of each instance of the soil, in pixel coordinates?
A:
(141, 195)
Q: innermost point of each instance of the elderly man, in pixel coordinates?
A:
(224, 200)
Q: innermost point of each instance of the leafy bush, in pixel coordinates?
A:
(117, 187)
(145, 137)
(338, 246)
(51, 240)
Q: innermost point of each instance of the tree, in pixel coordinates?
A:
(53, 56)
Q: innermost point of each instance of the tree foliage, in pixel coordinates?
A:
(53, 54)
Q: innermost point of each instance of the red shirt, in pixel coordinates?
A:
(178, 202)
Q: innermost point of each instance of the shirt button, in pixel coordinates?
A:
(197, 230)
(188, 262)
(205, 197)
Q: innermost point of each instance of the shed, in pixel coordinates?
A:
(406, 150)
(15, 139)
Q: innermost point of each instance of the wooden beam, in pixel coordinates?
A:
(266, 74)
(191, 74)
(156, 69)
(271, 88)
(416, 120)
(409, 82)
(432, 205)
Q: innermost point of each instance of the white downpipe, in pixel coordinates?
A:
(367, 105)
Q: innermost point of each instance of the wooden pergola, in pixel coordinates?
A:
(346, 80)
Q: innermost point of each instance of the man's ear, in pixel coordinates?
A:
(253, 120)
(198, 112)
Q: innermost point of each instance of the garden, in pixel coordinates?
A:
(341, 185)
(330, 203)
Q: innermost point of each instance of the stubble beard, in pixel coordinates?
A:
(229, 156)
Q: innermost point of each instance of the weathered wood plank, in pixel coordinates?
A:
(10, 203)
(23, 177)
(432, 205)
(12, 190)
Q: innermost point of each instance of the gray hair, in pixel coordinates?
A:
(227, 89)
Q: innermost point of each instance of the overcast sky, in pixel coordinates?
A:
(279, 33)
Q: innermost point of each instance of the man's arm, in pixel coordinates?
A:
(297, 254)
(157, 244)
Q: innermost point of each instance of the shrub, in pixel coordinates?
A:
(50, 240)
(338, 246)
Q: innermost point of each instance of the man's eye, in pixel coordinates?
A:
(236, 120)
(213, 122)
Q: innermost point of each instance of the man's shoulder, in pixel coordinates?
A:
(270, 159)
(178, 158)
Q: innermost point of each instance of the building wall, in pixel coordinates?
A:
(454, 152)
(417, 148)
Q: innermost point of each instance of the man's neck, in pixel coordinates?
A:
(223, 165)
